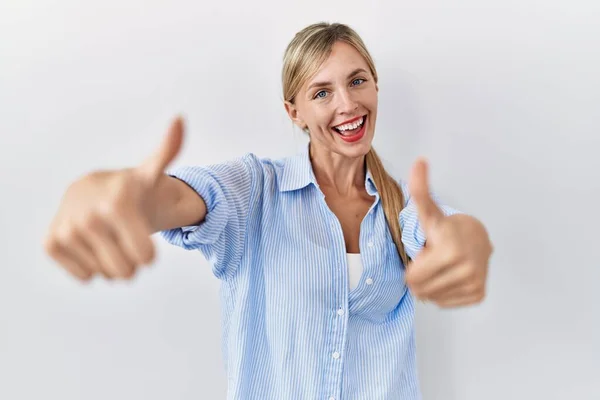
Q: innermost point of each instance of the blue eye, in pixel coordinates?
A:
(358, 79)
(318, 95)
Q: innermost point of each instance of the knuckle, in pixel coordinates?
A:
(456, 253)
(113, 205)
(127, 272)
(91, 221)
(118, 200)
(121, 192)
(465, 273)
(124, 268)
(476, 287)
(148, 256)
(108, 208)
(85, 276)
(474, 273)
(130, 273)
(106, 274)
(452, 255)
(472, 288)
(471, 271)
(51, 245)
(66, 234)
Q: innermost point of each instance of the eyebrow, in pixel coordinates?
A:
(351, 74)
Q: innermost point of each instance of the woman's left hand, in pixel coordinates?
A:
(451, 270)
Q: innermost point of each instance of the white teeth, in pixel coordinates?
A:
(354, 125)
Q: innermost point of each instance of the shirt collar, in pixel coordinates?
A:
(298, 173)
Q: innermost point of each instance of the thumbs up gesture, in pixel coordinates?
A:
(451, 269)
(104, 221)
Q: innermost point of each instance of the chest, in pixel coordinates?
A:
(303, 250)
(350, 213)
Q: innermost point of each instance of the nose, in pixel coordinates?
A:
(346, 102)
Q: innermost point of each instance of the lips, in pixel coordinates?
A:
(350, 124)
(350, 121)
(352, 132)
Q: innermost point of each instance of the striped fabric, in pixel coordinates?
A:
(292, 328)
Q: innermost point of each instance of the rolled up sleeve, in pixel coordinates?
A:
(228, 190)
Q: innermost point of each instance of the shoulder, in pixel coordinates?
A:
(266, 166)
(250, 169)
(274, 174)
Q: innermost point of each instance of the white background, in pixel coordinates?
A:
(503, 97)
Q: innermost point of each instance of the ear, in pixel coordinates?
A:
(294, 115)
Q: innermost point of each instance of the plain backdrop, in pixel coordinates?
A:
(502, 97)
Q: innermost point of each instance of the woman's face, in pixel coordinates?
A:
(339, 103)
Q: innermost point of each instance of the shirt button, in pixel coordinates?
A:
(370, 244)
(340, 312)
(332, 398)
(369, 281)
(336, 355)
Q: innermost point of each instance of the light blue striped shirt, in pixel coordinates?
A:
(292, 327)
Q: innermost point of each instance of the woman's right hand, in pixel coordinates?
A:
(104, 221)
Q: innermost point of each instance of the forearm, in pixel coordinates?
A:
(174, 204)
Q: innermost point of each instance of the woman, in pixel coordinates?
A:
(310, 249)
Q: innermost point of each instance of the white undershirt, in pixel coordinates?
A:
(355, 269)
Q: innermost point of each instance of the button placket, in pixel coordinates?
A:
(340, 326)
(338, 335)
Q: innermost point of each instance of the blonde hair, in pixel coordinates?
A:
(304, 55)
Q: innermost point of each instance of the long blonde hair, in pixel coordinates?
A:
(304, 55)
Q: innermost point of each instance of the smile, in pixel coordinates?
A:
(347, 129)
(352, 130)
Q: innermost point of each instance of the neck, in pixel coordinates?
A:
(335, 172)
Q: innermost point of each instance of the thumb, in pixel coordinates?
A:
(154, 166)
(429, 213)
